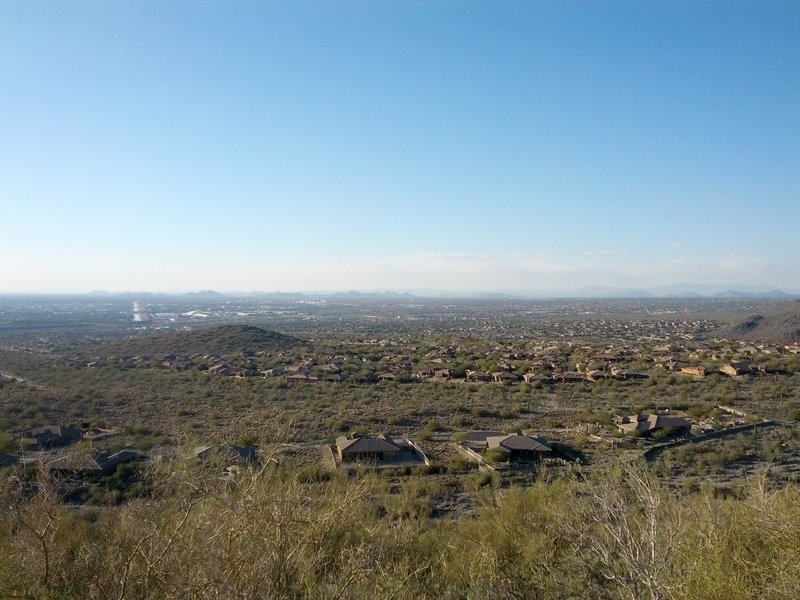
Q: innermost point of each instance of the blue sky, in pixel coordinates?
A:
(175, 146)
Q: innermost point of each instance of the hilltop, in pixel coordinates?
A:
(223, 339)
(780, 325)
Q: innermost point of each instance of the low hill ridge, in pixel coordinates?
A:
(222, 339)
(781, 325)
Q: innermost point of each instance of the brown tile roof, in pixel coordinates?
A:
(365, 445)
(518, 442)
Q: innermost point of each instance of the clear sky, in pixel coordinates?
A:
(451, 145)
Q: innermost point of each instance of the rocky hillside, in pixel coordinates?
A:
(224, 339)
(781, 325)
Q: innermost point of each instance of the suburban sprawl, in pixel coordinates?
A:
(571, 447)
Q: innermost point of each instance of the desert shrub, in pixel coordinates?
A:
(338, 425)
(460, 421)
(433, 426)
(495, 455)
(431, 469)
(460, 465)
(314, 474)
(773, 452)
(483, 413)
(663, 433)
(482, 479)
(7, 444)
(579, 441)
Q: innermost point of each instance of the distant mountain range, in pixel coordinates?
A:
(680, 290)
(689, 291)
(205, 294)
(722, 291)
(672, 291)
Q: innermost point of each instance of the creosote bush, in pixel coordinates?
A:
(269, 533)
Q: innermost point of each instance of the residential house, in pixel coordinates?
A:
(477, 375)
(53, 435)
(363, 378)
(443, 374)
(504, 377)
(222, 369)
(649, 423)
(694, 371)
(370, 449)
(301, 377)
(92, 463)
(478, 439)
(569, 377)
(736, 369)
(519, 447)
(766, 369)
(172, 361)
(671, 365)
(625, 374)
(596, 375)
(426, 373)
(534, 377)
(231, 455)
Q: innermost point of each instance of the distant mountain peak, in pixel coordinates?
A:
(204, 293)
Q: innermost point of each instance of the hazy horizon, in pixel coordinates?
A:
(682, 290)
(303, 146)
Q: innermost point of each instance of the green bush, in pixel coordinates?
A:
(495, 455)
(431, 469)
(433, 426)
(7, 444)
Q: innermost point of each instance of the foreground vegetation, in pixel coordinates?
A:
(272, 534)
